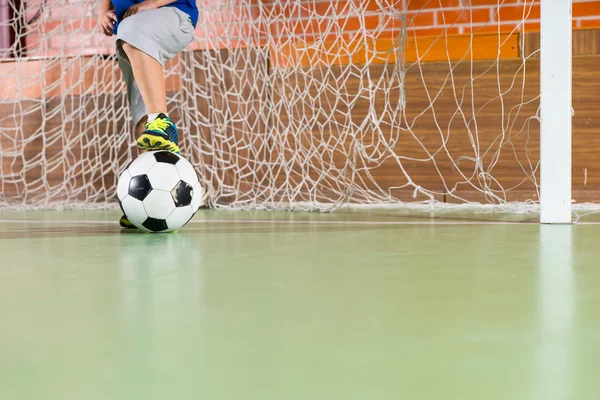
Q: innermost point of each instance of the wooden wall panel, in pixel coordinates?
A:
(477, 130)
(423, 145)
(586, 125)
(586, 42)
(474, 136)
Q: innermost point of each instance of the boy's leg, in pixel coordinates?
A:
(149, 77)
(147, 40)
(144, 42)
(157, 132)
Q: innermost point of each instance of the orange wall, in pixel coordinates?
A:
(68, 26)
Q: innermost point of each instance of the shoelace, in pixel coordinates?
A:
(159, 124)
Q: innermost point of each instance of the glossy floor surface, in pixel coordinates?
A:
(350, 305)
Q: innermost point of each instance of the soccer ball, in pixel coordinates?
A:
(159, 191)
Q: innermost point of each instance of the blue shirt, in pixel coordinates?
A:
(187, 6)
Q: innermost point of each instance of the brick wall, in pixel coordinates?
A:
(461, 16)
(68, 26)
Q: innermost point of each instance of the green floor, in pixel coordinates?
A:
(353, 305)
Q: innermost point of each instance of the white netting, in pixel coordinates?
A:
(285, 104)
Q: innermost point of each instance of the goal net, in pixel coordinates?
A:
(285, 104)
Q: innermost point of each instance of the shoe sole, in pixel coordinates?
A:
(148, 142)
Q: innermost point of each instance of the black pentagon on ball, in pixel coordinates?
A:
(166, 157)
(155, 225)
(140, 187)
(182, 194)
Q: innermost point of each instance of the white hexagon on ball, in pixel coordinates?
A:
(187, 172)
(135, 211)
(142, 164)
(163, 176)
(180, 217)
(123, 185)
(159, 204)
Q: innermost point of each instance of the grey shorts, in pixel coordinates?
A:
(161, 33)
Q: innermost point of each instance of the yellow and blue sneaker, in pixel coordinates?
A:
(160, 134)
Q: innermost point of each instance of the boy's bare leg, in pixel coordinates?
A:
(149, 77)
(160, 133)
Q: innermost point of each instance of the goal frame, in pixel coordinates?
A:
(556, 77)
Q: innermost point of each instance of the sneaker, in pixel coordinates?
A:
(126, 223)
(160, 134)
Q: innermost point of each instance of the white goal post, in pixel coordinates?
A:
(556, 111)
